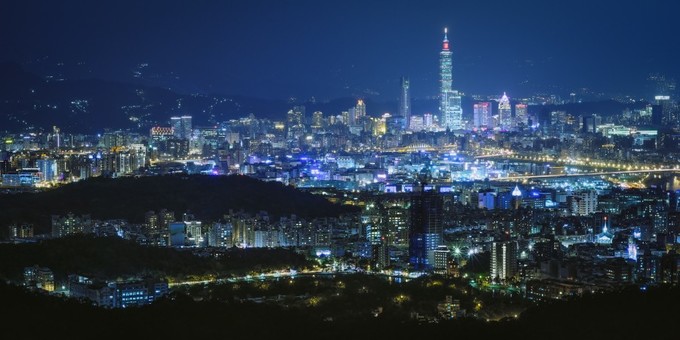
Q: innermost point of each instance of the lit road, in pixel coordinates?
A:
(586, 174)
(242, 278)
(275, 275)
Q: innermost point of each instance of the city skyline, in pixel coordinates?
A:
(339, 169)
(265, 49)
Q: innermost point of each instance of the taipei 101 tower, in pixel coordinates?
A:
(450, 110)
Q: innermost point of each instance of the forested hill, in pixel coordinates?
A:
(108, 258)
(208, 198)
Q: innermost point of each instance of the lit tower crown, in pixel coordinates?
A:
(516, 197)
(445, 66)
(516, 192)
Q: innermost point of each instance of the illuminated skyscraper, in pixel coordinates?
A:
(445, 72)
(317, 119)
(450, 109)
(482, 115)
(48, 169)
(505, 113)
(426, 232)
(181, 127)
(295, 122)
(397, 226)
(503, 260)
(521, 116)
(405, 102)
(360, 110)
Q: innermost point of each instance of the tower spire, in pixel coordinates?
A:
(445, 43)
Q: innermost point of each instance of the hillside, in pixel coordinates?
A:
(207, 197)
(28, 101)
(631, 315)
(112, 257)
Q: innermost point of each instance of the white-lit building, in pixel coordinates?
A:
(503, 260)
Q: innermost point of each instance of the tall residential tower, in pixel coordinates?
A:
(426, 231)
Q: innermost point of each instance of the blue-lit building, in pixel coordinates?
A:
(117, 294)
(22, 178)
(137, 293)
(177, 234)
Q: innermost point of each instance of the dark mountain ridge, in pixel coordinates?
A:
(208, 198)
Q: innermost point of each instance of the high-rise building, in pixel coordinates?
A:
(345, 117)
(450, 109)
(505, 113)
(668, 112)
(48, 169)
(165, 217)
(441, 259)
(482, 115)
(177, 234)
(181, 127)
(397, 226)
(426, 232)
(487, 199)
(405, 102)
(445, 73)
(137, 156)
(583, 203)
(521, 115)
(295, 122)
(360, 109)
(151, 222)
(416, 123)
(503, 260)
(317, 120)
(296, 116)
(428, 121)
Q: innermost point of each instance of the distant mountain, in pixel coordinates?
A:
(92, 105)
(603, 108)
(206, 197)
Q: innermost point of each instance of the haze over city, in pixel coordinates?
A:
(330, 49)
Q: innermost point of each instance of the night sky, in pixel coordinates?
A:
(329, 49)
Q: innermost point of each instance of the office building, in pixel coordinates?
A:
(521, 116)
(482, 116)
(405, 102)
(450, 106)
(181, 127)
(505, 113)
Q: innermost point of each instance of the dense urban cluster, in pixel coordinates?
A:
(553, 201)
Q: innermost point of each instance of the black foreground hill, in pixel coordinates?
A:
(208, 198)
